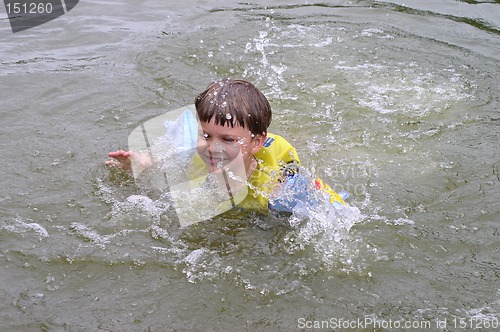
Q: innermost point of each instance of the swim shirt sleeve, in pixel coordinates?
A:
(275, 158)
(278, 154)
(282, 162)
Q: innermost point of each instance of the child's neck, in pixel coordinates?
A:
(251, 167)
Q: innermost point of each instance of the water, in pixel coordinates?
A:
(396, 102)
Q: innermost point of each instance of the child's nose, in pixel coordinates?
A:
(214, 146)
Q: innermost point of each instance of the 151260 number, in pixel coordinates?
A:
(475, 323)
(28, 8)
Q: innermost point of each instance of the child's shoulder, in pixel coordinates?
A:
(277, 149)
(276, 141)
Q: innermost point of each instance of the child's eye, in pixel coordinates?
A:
(229, 140)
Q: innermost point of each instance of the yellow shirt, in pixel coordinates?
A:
(276, 160)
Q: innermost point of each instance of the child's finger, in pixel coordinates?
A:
(115, 154)
(112, 163)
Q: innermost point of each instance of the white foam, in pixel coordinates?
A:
(202, 264)
(20, 226)
(88, 234)
(138, 204)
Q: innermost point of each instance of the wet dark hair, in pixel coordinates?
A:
(232, 102)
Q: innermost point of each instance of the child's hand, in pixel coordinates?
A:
(124, 159)
(121, 159)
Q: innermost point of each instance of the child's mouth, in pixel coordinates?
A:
(217, 162)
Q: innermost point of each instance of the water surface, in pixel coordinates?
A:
(396, 102)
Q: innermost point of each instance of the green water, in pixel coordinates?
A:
(395, 102)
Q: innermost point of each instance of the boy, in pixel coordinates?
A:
(234, 116)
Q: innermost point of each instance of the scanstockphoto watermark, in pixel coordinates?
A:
(362, 323)
(371, 323)
(26, 14)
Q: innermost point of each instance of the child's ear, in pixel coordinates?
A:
(258, 142)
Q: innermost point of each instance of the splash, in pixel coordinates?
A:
(325, 229)
(88, 234)
(233, 248)
(18, 225)
(202, 264)
(139, 205)
(274, 74)
(410, 90)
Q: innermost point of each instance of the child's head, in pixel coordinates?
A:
(234, 102)
(234, 116)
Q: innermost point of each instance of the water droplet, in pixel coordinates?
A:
(229, 116)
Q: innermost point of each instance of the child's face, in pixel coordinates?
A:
(219, 145)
